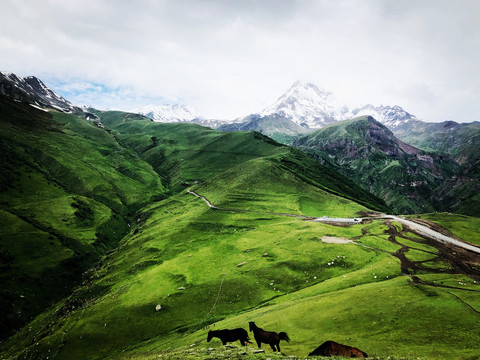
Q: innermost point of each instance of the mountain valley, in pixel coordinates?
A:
(108, 254)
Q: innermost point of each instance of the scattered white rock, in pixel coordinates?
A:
(241, 264)
(181, 288)
(158, 307)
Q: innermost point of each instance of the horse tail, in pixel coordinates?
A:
(284, 336)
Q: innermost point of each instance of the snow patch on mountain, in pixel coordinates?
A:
(33, 90)
(390, 116)
(169, 113)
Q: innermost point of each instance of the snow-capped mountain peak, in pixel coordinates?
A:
(169, 113)
(307, 105)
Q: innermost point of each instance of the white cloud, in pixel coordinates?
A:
(231, 58)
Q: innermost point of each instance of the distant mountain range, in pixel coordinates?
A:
(104, 254)
(412, 165)
(301, 109)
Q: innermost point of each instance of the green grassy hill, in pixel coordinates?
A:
(185, 154)
(184, 268)
(68, 191)
(211, 269)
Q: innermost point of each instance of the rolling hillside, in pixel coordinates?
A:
(185, 154)
(68, 191)
(186, 268)
(107, 255)
(71, 188)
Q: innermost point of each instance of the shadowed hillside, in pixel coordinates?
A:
(365, 150)
(69, 191)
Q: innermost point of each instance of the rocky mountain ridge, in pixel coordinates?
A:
(406, 177)
(32, 90)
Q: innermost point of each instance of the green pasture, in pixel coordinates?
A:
(220, 269)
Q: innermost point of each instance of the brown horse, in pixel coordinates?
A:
(268, 337)
(227, 335)
(332, 348)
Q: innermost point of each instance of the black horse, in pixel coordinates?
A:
(227, 335)
(268, 337)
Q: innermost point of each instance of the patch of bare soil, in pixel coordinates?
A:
(460, 261)
(335, 240)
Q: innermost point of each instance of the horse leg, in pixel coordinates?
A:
(259, 343)
(272, 345)
(224, 342)
(242, 342)
(278, 346)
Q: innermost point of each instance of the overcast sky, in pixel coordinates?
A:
(233, 58)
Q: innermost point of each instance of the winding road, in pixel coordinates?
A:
(420, 229)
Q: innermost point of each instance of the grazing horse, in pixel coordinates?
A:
(332, 348)
(227, 335)
(268, 337)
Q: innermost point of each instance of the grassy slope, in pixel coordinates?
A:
(66, 190)
(182, 252)
(445, 137)
(70, 188)
(189, 153)
(462, 142)
(286, 282)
